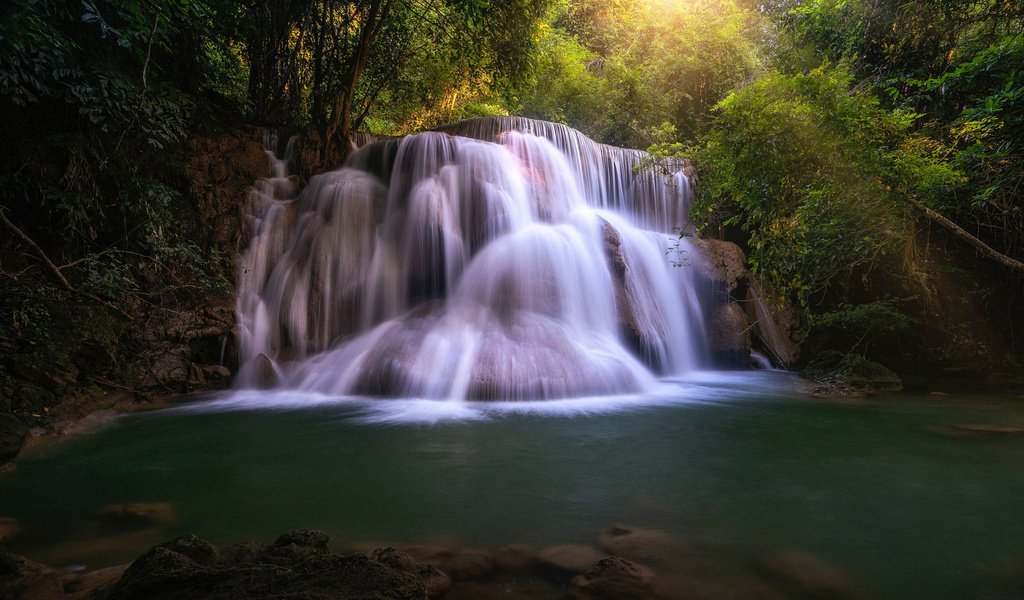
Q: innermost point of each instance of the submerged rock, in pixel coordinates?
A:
(615, 578)
(136, 514)
(171, 571)
(569, 559)
(460, 565)
(647, 545)
(807, 576)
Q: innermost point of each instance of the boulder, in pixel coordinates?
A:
(569, 559)
(837, 373)
(725, 266)
(615, 578)
(195, 548)
(12, 435)
(165, 574)
(729, 336)
(22, 579)
(647, 545)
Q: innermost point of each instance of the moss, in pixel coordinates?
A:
(841, 373)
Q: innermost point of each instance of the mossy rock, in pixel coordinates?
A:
(843, 373)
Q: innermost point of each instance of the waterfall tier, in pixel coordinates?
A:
(500, 258)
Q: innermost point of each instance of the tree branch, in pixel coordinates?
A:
(35, 247)
(967, 237)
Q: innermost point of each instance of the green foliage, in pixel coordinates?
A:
(864, 323)
(813, 171)
(95, 114)
(618, 70)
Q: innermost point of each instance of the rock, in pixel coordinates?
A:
(9, 529)
(12, 435)
(136, 514)
(839, 373)
(460, 565)
(615, 578)
(806, 576)
(218, 373)
(22, 579)
(777, 325)
(197, 549)
(729, 336)
(646, 545)
(437, 583)
(514, 558)
(85, 584)
(164, 574)
(725, 266)
(306, 538)
(985, 428)
(569, 559)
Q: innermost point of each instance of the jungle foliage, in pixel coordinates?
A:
(97, 98)
(829, 136)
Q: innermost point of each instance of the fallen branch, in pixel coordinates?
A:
(39, 251)
(967, 237)
(41, 255)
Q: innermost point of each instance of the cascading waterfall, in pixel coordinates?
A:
(498, 258)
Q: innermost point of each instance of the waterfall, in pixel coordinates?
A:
(498, 258)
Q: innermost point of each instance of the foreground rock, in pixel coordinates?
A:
(615, 578)
(297, 565)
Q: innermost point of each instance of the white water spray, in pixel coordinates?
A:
(500, 259)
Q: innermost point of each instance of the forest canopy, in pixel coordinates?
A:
(824, 132)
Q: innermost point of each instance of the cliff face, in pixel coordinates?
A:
(65, 354)
(743, 315)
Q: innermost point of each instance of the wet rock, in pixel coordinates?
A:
(778, 326)
(615, 578)
(729, 336)
(645, 545)
(216, 373)
(514, 558)
(806, 576)
(9, 529)
(264, 372)
(989, 429)
(163, 574)
(838, 373)
(81, 586)
(437, 582)
(22, 579)
(460, 565)
(306, 538)
(12, 435)
(136, 514)
(199, 550)
(724, 265)
(569, 559)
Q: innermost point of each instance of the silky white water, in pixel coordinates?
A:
(500, 259)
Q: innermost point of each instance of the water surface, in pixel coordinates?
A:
(887, 489)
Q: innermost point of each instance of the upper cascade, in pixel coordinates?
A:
(498, 258)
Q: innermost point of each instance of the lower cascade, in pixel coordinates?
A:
(496, 259)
